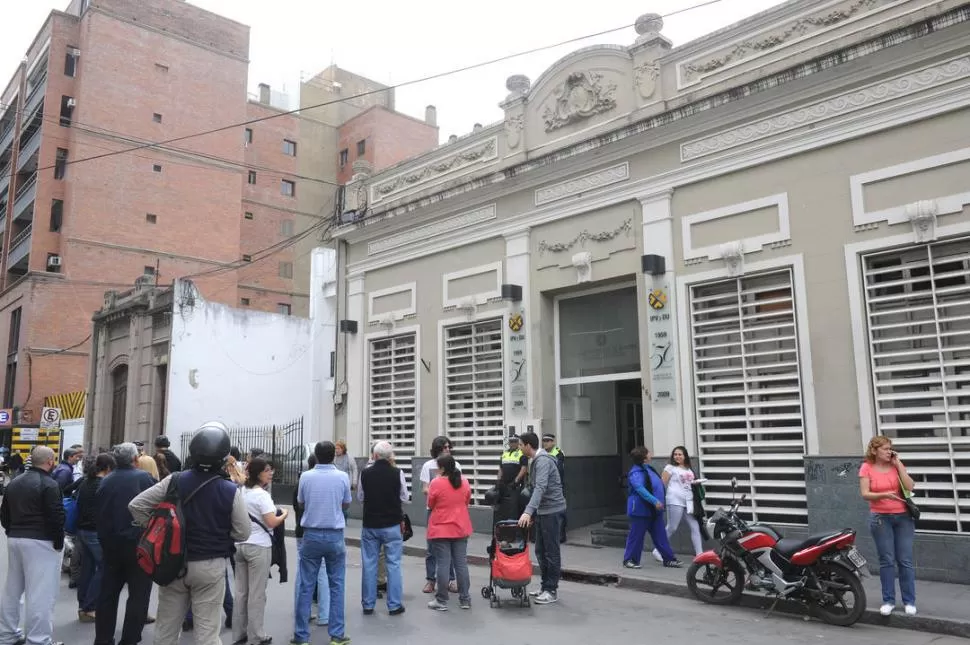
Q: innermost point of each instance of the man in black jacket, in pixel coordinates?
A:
(118, 538)
(163, 445)
(380, 490)
(33, 515)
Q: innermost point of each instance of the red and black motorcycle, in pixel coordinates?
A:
(822, 571)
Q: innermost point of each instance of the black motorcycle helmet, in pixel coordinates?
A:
(209, 447)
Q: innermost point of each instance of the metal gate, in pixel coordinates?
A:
(283, 446)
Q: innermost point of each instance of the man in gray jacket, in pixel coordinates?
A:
(546, 508)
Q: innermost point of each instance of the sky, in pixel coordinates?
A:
(395, 42)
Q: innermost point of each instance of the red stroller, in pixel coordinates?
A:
(510, 566)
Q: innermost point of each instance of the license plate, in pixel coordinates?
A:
(856, 558)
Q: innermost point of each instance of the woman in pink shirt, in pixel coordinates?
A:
(893, 530)
(448, 529)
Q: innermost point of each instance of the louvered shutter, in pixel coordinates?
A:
(918, 314)
(474, 400)
(393, 396)
(748, 395)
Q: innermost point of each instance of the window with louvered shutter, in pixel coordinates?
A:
(748, 394)
(474, 401)
(393, 396)
(918, 313)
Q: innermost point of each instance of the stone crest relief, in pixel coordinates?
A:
(645, 77)
(582, 95)
(513, 130)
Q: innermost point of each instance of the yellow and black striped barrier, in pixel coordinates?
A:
(71, 404)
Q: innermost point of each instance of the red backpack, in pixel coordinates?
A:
(161, 548)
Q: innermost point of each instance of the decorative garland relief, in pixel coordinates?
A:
(585, 236)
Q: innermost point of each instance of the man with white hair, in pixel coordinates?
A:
(33, 515)
(382, 490)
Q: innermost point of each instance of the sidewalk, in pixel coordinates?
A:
(942, 607)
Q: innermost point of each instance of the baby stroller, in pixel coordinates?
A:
(509, 564)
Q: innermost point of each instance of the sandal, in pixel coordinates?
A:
(428, 587)
(453, 586)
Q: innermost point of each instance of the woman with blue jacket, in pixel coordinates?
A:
(645, 508)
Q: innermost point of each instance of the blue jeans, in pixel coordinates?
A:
(323, 588)
(430, 566)
(321, 546)
(894, 535)
(639, 527)
(92, 569)
(547, 550)
(371, 541)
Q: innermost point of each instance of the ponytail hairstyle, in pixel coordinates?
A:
(450, 470)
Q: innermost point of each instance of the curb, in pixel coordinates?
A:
(927, 624)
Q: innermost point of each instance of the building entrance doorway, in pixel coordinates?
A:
(629, 419)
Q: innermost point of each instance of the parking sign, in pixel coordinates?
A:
(6, 417)
(50, 418)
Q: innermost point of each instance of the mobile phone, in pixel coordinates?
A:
(893, 454)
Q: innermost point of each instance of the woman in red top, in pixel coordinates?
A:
(448, 529)
(881, 479)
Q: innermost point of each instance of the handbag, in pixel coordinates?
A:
(71, 514)
(407, 531)
(911, 506)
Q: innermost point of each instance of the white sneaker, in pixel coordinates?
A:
(657, 556)
(546, 598)
(910, 610)
(886, 609)
(534, 593)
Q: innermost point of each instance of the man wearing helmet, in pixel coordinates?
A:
(215, 519)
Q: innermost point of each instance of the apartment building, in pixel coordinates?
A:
(79, 217)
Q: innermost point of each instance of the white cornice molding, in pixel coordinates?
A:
(477, 216)
(583, 184)
(836, 131)
(875, 94)
(473, 156)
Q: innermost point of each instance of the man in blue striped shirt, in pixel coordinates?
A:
(324, 493)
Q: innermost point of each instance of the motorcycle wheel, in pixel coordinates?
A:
(704, 580)
(836, 581)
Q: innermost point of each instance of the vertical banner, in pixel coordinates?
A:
(660, 330)
(518, 368)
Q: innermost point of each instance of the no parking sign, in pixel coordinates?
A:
(6, 417)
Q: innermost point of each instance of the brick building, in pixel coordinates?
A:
(77, 220)
(383, 137)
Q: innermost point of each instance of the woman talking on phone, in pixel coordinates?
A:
(882, 480)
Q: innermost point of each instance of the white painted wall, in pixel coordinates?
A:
(237, 366)
(323, 316)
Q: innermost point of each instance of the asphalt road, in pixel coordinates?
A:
(584, 614)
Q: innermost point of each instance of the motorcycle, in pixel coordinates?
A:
(819, 572)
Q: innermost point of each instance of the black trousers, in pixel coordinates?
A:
(121, 569)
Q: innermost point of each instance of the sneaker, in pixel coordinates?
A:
(338, 640)
(674, 564)
(368, 611)
(547, 598)
(910, 610)
(630, 564)
(534, 593)
(437, 606)
(465, 604)
(656, 556)
(886, 609)
(397, 611)
(296, 642)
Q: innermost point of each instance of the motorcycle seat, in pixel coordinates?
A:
(790, 546)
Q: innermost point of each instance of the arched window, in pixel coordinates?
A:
(119, 403)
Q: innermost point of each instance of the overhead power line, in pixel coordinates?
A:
(416, 81)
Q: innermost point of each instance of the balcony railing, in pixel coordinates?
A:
(20, 246)
(29, 149)
(5, 177)
(6, 138)
(25, 197)
(36, 95)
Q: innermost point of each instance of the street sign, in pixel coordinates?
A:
(6, 417)
(50, 418)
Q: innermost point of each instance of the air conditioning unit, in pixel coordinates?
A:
(54, 261)
(71, 103)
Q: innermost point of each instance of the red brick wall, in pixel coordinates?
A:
(261, 282)
(391, 138)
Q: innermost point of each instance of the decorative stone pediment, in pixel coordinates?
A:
(583, 94)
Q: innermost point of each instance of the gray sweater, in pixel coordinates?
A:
(547, 496)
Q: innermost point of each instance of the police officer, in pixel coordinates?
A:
(549, 445)
(513, 469)
(215, 519)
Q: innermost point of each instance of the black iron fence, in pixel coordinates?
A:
(282, 445)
